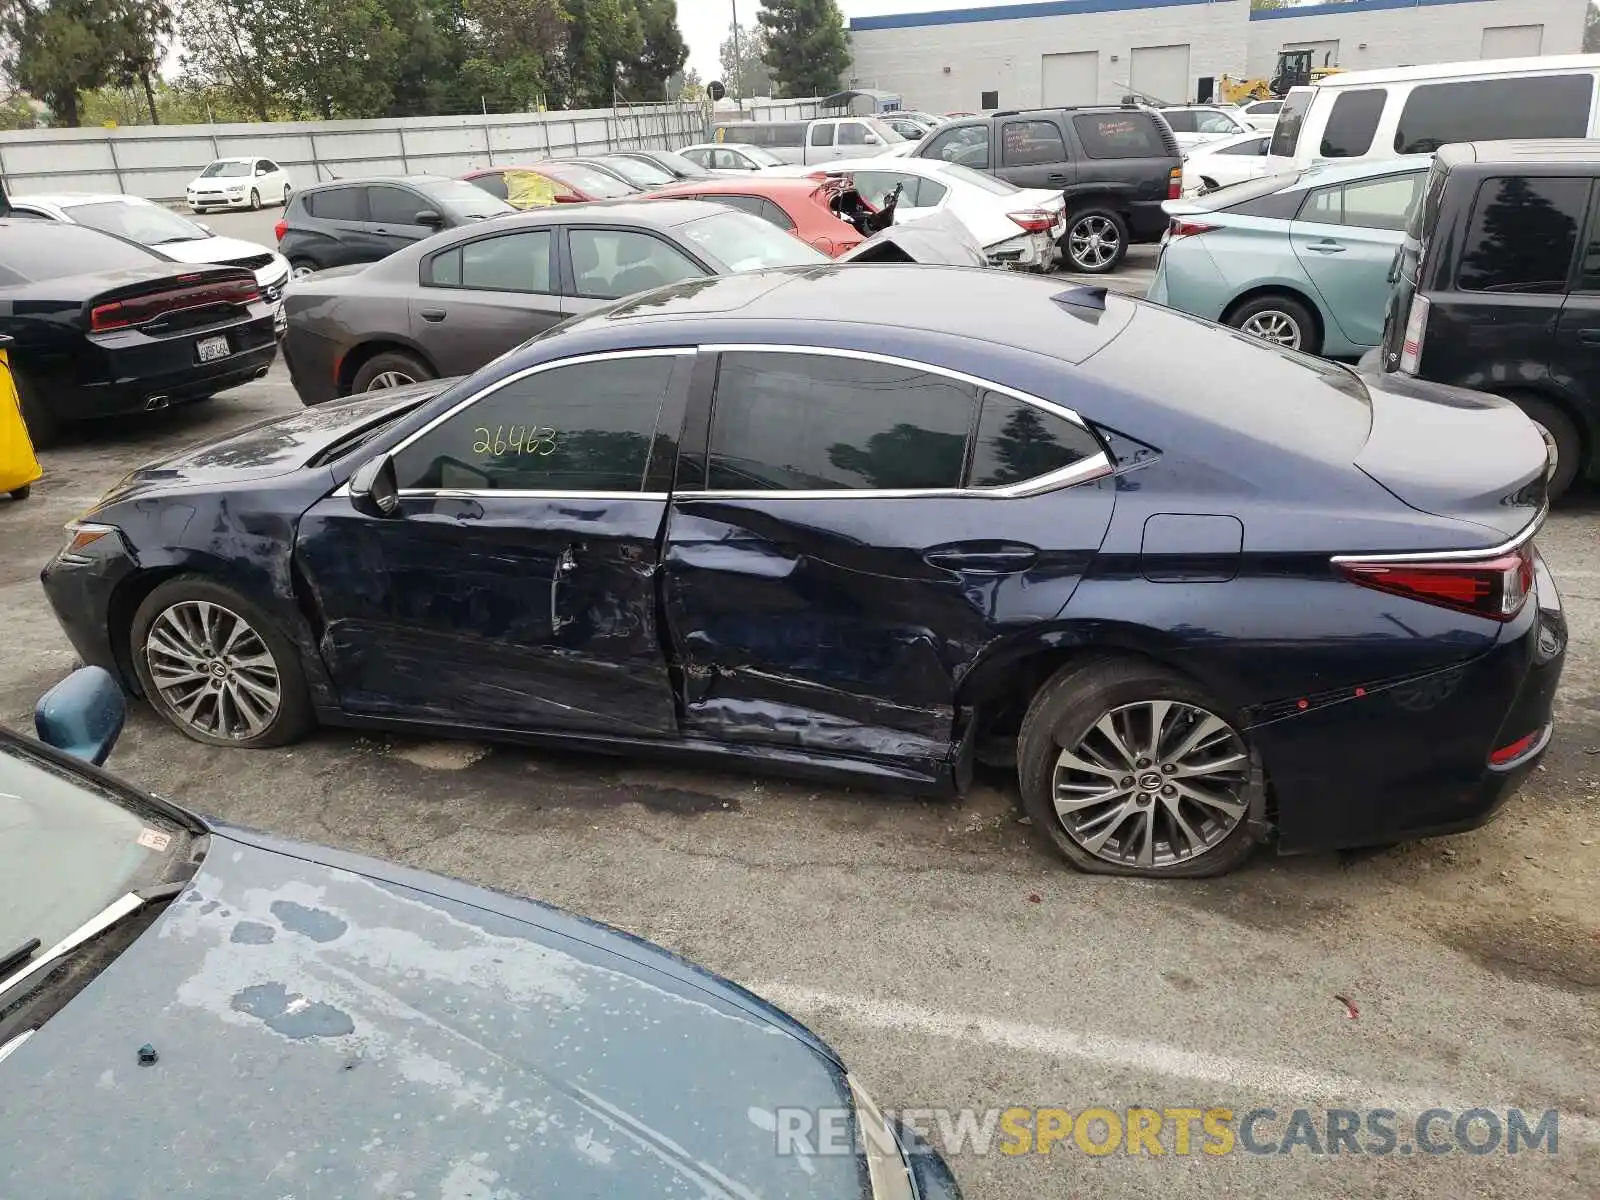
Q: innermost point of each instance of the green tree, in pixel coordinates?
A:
(230, 50)
(146, 36)
(431, 76)
(60, 48)
(1591, 30)
(513, 51)
(744, 70)
(663, 54)
(602, 37)
(807, 49)
(337, 58)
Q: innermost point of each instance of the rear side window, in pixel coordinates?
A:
(1384, 203)
(1523, 235)
(1255, 147)
(811, 422)
(1119, 135)
(1286, 133)
(1493, 109)
(1017, 442)
(1353, 123)
(512, 262)
(1031, 144)
(822, 134)
(337, 204)
(1180, 119)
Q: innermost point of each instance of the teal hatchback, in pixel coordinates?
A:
(1301, 259)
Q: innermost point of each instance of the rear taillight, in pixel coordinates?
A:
(1175, 183)
(140, 310)
(1495, 588)
(1182, 229)
(281, 228)
(1416, 334)
(1034, 220)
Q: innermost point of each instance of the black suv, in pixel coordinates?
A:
(1497, 287)
(336, 224)
(1116, 166)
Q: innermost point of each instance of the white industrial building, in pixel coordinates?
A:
(1096, 51)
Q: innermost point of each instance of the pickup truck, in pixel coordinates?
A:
(1114, 165)
(809, 143)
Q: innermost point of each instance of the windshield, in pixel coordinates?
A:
(596, 185)
(681, 165)
(988, 183)
(765, 158)
(463, 199)
(884, 131)
(742, 242)
(69, 849)
(147, 224)
(227, 170)
(641, 174)
(1286, 133)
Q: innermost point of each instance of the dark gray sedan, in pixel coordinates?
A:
(447, 305)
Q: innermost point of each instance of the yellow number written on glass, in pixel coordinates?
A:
(517, 439)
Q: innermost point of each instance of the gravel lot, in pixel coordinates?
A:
(952, 961)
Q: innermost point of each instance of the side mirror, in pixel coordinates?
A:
(373, 489)
(430, 218)
(873, 140)
(82, 714)
(259, 171)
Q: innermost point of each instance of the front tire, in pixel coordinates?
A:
(1096, 241)
(286, 195)
(1129, 769)
(1281, 320)
(1560, 436)
(391, 369)
(255, 200)
(217, 667)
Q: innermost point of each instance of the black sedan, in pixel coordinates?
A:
(188, 1008)
(879, 522)
(670, 161)
(102, 325)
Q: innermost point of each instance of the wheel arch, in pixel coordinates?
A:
(1285, 288)
(1552, 393)
(364, 352)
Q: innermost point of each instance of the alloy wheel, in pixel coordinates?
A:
(301, 272)
(1153, 784)
(389, 379)
(214, 672)
(1093, 242)
(1270, 325)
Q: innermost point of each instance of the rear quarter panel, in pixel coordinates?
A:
(1243, 255)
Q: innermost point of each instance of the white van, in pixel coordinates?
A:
(824, 140)
(1415, 110)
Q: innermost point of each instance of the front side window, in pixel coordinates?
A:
(1482, 110)
(810, 422)
(1119, 135)
(967, 145)
(1353, 123)
(1031, 144)
(608, 264)
(586, 427)
(822, 134)
(1523, 235)
(852, 133)
(875, 187)
(394, 206)
(513, 262)
(1207, 121)
(1018, 441)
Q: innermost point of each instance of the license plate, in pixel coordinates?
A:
(212, 348)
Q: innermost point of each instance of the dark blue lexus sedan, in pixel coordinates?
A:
(881, 522)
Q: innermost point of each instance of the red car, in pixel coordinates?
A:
(527, 186)
(801, 206)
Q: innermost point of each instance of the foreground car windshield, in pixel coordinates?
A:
(591, 182)
(464, 199)
(143, 223)
(69, 849)
(747, 243)
(226, 170)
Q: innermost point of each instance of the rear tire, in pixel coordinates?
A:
(1190, 804)
(1560, 435)
(44, 427)
(299, 268)
(1278, 319)
(390, 369)
(22, 492)
(1096, 241)
(286, 195)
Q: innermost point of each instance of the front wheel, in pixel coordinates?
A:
(255, 200)
(1096, 241)
(391, 369)
(1129, 769)
(1281, 320)
(217, 667)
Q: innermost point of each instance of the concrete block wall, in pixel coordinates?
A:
(1394, 33)
(945, 61)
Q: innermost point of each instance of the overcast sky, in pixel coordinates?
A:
(705, 22)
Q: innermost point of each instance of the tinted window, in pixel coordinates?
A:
(1182, 120)
(1491, 109)
(1119, 135)
(1251, 146)
(461, 199)
(822, 134)
(1286, 133)
(1523, 234)
(495, 185)
(750, 204)
(393, 206)
(610, 263)
(1589, 280)
(800, 422)
(514, 262)
(1384, 203)
(1031, 143)
(337, 204)
(1211, 121)
(966, 144)
(771, 212)
(1017, 441)
(586, 427)
(51, 250)
(1352, 123)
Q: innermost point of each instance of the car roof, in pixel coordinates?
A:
(369, 179)
(723, 146)
(1365, 168)
(755, 185)
(1524, 152)
(238, 158)
(70, 199)
(1550, 64)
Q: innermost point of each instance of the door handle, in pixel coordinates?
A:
(1056, 177)
(983, 558)
(1326, 247)
(566, 564)
(1589, 337)
(431, 314)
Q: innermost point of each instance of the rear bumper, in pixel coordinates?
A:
(1028, 250)
(154, 373)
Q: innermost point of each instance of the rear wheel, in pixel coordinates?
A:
(1281, 320)
(44, 427)
(391, 369)
(299, 268)
(1130, 769)
(1564, 446)
(22, 492)
(286, 195)
(255, 200)
(1096, 241)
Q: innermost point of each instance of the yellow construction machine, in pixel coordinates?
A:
(1294, 70)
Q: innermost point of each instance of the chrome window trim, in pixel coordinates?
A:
(527, 494)
(1094, 467)
(1489, 552)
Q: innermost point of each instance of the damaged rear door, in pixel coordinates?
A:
(846, 541)
(515, 587)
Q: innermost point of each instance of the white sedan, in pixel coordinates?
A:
(1262, 114)
(1225, 161)
(1016, 227)
(239, 183)
(164, 231)
(732, 158)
